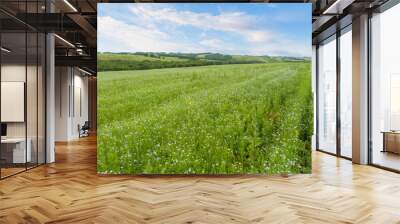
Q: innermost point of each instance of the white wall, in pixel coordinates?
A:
(79, 117)
(62, 82)
(70, 83)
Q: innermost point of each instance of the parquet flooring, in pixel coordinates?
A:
(11, 170)
(70, 191)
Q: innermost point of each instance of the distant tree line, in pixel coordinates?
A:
(153, 60)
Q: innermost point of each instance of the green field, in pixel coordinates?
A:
(219, 119)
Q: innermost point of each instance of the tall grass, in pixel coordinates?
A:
(254, 118)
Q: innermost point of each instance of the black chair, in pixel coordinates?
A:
(84, 130)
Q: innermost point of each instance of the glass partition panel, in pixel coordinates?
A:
(15, 151)
(346, 92)
(31, 98)
(41, 98)
(41, 85)
(22, 66)
(327, 95)
(385, 89)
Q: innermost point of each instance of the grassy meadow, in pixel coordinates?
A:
(214, 119)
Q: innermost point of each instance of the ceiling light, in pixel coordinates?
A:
(70, 5)
(5, 50)
(65, 41)
(86, 72)
(79, 51)
(330, 8)
(338, 6)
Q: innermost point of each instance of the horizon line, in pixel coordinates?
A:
(264, 55)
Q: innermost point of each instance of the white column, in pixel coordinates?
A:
(360, 89)
(63, 99)
(50, 99)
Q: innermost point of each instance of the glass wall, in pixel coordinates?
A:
(22, 87)
(31, 99)
(13, 89)
(334, 65)
(41, 97)
(346, 92)
(327, 95)
(385, 89)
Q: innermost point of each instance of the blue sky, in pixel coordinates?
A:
(240, 28)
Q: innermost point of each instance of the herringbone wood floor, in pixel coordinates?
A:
(70, 191)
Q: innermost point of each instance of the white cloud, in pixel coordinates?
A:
(212, 43)
(125, 37)
(258, 36)
(239, 23)
(219, 46)
(284, 48)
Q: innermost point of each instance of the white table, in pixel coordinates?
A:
(19, 153)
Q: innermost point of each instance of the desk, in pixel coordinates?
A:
(13, 150)
(391, 141)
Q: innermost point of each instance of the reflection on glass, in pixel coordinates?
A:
(346, 93)
(327, 96)
(386, 89)
(395, 102)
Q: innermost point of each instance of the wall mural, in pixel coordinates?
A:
(204, 88)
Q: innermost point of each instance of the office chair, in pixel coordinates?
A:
(84, 130)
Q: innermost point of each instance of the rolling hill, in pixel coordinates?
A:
(144, 60)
